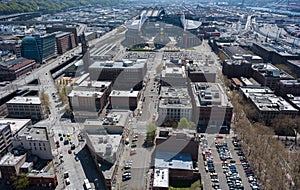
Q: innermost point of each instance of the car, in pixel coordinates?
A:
(133, 145)
(66, 142)
(57, 142)
(125, 178)
(70, 151)
(61, 138)
(59, 134)
(57, 145)
(67, 181)
(73, 146)
(76, 158)
(127, 166)
(64, 135)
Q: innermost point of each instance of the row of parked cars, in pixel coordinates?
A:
(127, 173)
(252, 180)
(233, 179)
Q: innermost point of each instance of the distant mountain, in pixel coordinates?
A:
(21, 6)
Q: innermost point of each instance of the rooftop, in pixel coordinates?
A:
(95, 84)
(10, 159)
(173, 72)
(34, 133)
(138, 63)
(25, 100)
(16, 63)
(121, 93)
(210, 94)
(15, 124)
(270, 70)
(173, 160)
(201, 67)
(271, 102)
(247, 91)
(86, 93)
(174, 97)
(161, 178)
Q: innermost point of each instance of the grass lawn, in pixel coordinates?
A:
(194, 186)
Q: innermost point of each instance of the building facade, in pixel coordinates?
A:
(124, 99)
(212, 108)
(25, 107)
(36, 140)
(5, 137)
(174, 104)
(64, 41)
(38, 47)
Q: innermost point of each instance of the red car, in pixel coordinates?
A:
(70, 151)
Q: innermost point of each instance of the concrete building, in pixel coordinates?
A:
(11, 45)
(5, 137)
(106, 150)
(237, 68)
(16, 125)
(173, 76)
(74, 29)
(124, 99)
(285, 87)
(36, 140)
(10, 165)
(212, 108)
(267, 105)
(25, 107)
(174, 104)
(125, 74)
(20, 162)
(269, 75)
(38, 47)
(12, 69)
(89, 98)
(161, 179)
(64, 41)
(201, 72)
(113, 123)
(176, 151)
(294, 65)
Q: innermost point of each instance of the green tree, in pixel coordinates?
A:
(150, 134)
(20, 182)
(184, 123)
(45, 101)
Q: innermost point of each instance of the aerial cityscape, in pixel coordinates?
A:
(149, 95)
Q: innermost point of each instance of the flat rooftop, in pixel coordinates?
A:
(271, 102)
(174, 97)
(201, 67)
(10, 159)
(173, 160)
(270, 70)
(209, 94)
(122, 93)
(95, 84)
(15, 124)
(34, 133)
(173, 72)
(25, 100)
(161, 178)
(86, 93)
(247, 91)
(138, 63)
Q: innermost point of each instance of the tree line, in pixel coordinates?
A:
(22, 6)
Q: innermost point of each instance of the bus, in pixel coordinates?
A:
(87, 184)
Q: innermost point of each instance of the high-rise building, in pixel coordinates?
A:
(38, 47)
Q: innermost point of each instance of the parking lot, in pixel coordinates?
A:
(224, 166)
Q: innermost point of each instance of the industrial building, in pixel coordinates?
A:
(12, 69)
